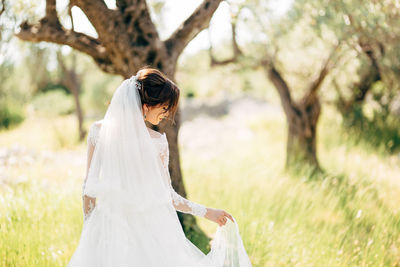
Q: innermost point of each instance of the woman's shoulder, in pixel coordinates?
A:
(98, 123)
(155, 134)
(94, 132)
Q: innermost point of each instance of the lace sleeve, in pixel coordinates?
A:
(180, 203)
(89, 202)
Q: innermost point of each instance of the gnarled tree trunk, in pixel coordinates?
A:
(301, 116)
(302, 134)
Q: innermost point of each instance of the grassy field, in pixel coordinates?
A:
(349, 218)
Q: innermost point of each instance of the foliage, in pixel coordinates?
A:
(380, 131)
(196, 78)
(374, 122)
(368, 28)
(54, 102)
(10, 114)
(11, 98)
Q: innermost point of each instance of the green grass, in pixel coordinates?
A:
(349, 218)
(39, 225)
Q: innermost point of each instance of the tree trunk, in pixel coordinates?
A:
(75, 91)
(302, 136)
(71, 80)
(302, 116)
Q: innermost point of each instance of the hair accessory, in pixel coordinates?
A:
(134, 79)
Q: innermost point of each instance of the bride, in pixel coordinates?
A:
(129, 203)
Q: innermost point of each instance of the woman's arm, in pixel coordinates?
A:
(88, 202)
(186, 206)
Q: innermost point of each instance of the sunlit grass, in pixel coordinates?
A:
(38, 224)
(43, 133)
(350, 218)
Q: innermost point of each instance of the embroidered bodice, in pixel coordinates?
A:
(180, 203)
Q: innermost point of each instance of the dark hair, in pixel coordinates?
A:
(157, 89)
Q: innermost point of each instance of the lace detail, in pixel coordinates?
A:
(180, 203)
(91, 206)
(91, 141)
(94, 133)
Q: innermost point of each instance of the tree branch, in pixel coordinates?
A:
(51, 17)
(44, 31)
(3, 7)
(128, 33)
(280, 84)
(317, 82)
(341, 101)
(61, 62)
(99, 15)
(236, 50)
(70, 16)
(198, 21)
(372, 75)
(123, 4)
(51, 11)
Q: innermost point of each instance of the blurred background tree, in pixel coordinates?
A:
(270, 52)
(349, 35)
(370, 32)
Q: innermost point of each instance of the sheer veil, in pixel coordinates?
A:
(124, 167)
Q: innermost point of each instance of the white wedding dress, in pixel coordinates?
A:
(134, 221)
(154, 238)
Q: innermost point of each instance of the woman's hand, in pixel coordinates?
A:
(218, 216)
(88, 204)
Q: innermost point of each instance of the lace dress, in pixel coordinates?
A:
(180, 203)
(120, 237)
